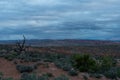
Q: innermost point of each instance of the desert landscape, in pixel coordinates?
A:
(99, 60)
(59, 39)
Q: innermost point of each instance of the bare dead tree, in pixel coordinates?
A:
(20, 45)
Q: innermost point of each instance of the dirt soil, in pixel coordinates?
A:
(8, 68)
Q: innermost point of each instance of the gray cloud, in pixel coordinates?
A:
(59, 19)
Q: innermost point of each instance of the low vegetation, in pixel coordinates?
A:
(73, 64)
(2, 78)
(23, 68)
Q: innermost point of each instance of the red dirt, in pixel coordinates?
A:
(8, 68)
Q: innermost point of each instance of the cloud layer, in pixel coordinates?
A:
(60, 19)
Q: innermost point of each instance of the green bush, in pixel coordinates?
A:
(118, 72)
(1, 74)
(26, 76)
(58, 64)
(23, 68)
(2, 78)
(66, 67)
(11, 56)
(112, 73)
(84, 63)
(62, 77)
(43, 77)
(73, 72)
(107, 63)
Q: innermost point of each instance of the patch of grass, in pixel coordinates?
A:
(62, 77)
(11, 56)
(26, 76)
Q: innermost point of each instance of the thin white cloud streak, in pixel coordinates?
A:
(27, 23)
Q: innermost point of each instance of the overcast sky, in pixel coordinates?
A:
(60, 19)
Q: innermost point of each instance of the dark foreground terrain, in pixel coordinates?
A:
(61, 60)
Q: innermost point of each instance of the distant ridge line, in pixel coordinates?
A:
(64, 42)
